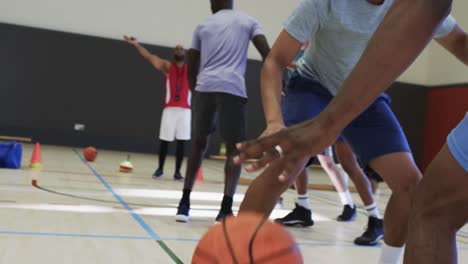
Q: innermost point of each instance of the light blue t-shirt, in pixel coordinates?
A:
(457, 142)
(223, 40)
(340, 31)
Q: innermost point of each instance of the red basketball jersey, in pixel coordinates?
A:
(177, 93)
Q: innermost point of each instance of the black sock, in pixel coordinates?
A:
(226, 204)
(179, 155)
(163, 146)
(186, 197)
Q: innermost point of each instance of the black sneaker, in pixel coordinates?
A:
(178, 177)
(222, 215)
(158, 173)
(373, 234)
(348, 214)
(183, 213)
(300, 216)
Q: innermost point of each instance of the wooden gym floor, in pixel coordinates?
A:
(81, 213)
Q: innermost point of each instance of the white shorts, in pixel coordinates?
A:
(175, 124)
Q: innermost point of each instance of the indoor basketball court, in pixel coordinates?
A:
(119, 123)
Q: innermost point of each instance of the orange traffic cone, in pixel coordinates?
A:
(200, 175)
(36, 157)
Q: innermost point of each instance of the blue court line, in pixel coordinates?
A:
(135, 216)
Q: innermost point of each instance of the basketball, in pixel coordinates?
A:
(90, 153)
(247, 238)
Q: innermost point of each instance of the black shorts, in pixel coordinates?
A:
(229, 110)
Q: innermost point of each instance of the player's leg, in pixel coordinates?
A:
(378, 140)
(167, 133)
(163, 147)
(302, 214)
(440, 205)
(338, 179)
(232, 124)
(180, 153)
(203, 113)
(374, 230)
(182, 136)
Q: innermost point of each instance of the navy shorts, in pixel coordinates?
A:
(374, 133)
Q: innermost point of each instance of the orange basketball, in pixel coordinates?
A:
(248, 238)
(90, 153)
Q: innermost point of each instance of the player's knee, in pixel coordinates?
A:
(441, 214)
(407, 187)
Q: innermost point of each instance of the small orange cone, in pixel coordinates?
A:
(200, 175)
(36, 157)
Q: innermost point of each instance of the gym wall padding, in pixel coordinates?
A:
(446, 106)
(409, 106)
(51, 80)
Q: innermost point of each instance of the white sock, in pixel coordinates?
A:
(303, 200)
(372, 210)
(390, 255)
(346, 198)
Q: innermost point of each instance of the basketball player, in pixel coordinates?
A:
(217, 64)
(352, 102)
(302, 214)
(176, 116)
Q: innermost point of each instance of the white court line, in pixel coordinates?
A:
(198, 211)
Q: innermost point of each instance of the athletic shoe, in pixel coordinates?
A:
(373, 234)
(158, 173)
(183, 213)
(300, 216)
(348, 214)
(178, 177)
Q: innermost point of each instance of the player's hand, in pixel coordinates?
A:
(131, 40)
(271, 129)
(287, 151)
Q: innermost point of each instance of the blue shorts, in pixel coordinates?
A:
(374, 133)
(457, 142)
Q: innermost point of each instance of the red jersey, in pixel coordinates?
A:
(177, 93)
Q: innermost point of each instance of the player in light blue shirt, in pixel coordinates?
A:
(343, 94)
